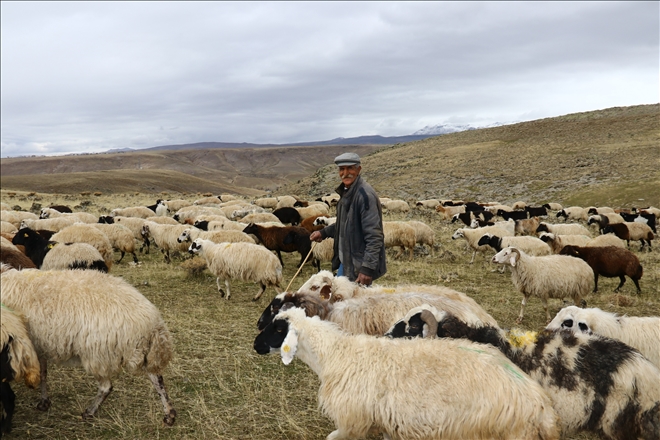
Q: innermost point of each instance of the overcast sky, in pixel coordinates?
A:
(87, 77)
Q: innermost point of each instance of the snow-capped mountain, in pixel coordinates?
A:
(453, 128)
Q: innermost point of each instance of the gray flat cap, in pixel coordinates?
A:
(347, 159)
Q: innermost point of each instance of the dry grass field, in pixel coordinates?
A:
(219, 386)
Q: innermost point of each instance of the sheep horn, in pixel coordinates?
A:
(429, 319)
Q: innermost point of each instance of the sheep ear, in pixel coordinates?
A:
(289, 346)
(326, 292)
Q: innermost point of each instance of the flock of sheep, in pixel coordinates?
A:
(408, 361)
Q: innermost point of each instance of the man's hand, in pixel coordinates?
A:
(363, 279)
(316, 236)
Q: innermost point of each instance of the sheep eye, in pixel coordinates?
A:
(584, 327)
(568, 323)
(315, 288)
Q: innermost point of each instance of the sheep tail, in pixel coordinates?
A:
(159, 353)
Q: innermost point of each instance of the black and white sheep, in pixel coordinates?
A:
(640, 332)
(530, 245)
(18, 361)
(550, 276)
(558, 242)
(595, 383)
(191, 234)
(36, 247)
(69, 256)
(239, 261)
(563, 229)
(610, 262)
(86, 233)
(574, 213)
(472, 237)
(128, 332)
(371, 385)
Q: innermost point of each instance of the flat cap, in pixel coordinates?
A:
(347, 159)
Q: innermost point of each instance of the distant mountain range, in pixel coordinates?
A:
(426, 132)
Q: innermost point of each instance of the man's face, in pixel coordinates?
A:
(348, 174)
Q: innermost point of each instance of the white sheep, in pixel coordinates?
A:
(64, 256)
(209, 200)
(412, 389)
(399, 234)
(229, 236)
(16, 217)
(92, 319)
(134, 224)
(574, 213)
(526, 226)
(285, 202)
(430, 203)
(175, 205)
(84, 217)
(396, 206)
(49, 224)
(133, 211)
(162, 220)
(86, 233)
(530, 245)
(189, 213)
(642, 333)
(550, 276)
(507, 225)
(323, 252)
(606, 240)
(121, 238)
(259, 217)
(563, 229)
(424, 235)
(472, 236)
(553, 206)
(595, 383)
(227, 226)
(242, 261)
(165, 237)
(557, 242)
(520, 205)
(313, 210)
(245, 210)
(266, 202)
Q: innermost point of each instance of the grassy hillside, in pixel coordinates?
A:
(609, 157)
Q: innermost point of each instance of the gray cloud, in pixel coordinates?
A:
(84, 77)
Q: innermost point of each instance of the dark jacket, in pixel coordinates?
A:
(360, 218)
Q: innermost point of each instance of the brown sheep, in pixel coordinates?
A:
(631, 231)
(308, 223)
(15, 258)
(272, 237)
(608, 261)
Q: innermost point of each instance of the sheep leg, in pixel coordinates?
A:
(400, 252)
(8, 399)
(337, 435)
(228, 291)
(120, 258)
(474, 254)
(639, 291)
(44, 403)
(522, 309)
(280, 257)
(596, 282)
(222, 292)
(623, 280)
(411, 252)
(263, 289)
(159, 385)
(135, 260)
(105, 388)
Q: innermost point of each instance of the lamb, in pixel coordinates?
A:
(557, 242)
(128, 332)
(18, 361)
(609, 261)
(272, 237)
(632, 231)
(242, 261)
(396, 206)
(190, 234)
(49, 224)
(430, 203)
(288, 215)
(375, 384)
(121, 238)
(563, 229)
(309, 224)
(472, 236)
(323, 252)
(165, 237)
(424, 235)
(642, 333)
(526, 226)
(69, 256)
(329, 199)
(325, 221)
(573, 213)
(550, 276)
(285, 202)
(85, 233)
(399, 234)
(530, 245)
(595, 383)
(133, 211)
